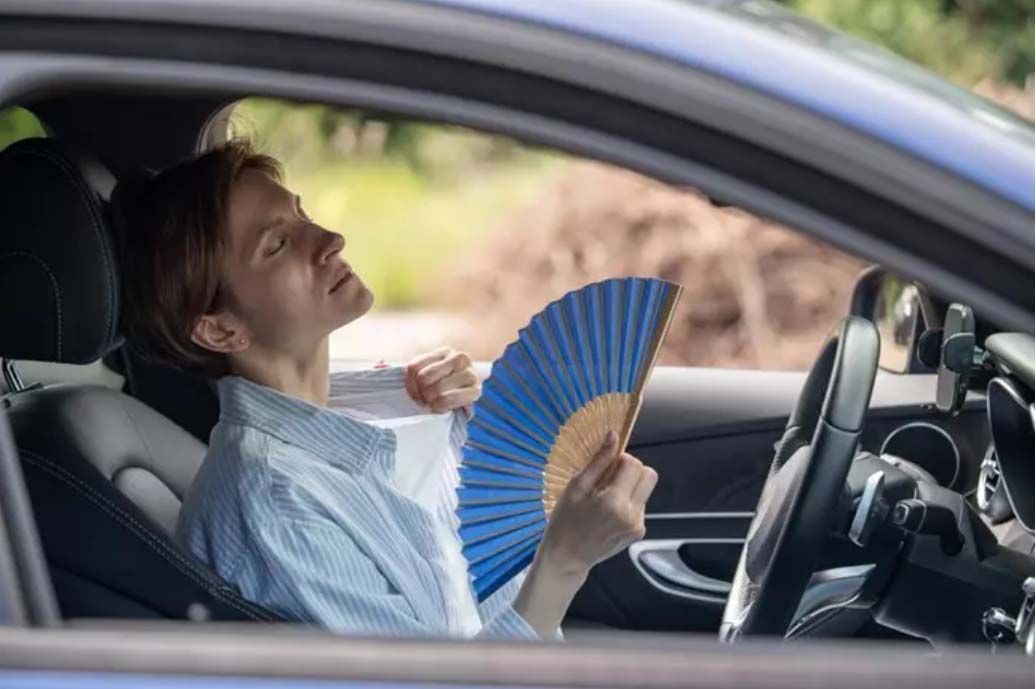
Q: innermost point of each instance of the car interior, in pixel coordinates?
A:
(106, 473)
(109, 442)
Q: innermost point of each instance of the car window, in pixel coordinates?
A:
(463, 236)
(17, 123)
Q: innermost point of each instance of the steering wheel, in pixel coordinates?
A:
(797, 507)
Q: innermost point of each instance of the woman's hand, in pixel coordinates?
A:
(600, 513)
(443, 380)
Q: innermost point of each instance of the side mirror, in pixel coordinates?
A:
(900, 310)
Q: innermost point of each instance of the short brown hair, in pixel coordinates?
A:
(172, 231)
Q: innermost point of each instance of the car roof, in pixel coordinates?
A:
(756, 44)
(776, 51)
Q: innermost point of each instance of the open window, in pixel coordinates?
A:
(709, 431)
(463, 235)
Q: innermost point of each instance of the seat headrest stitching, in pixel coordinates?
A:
(212, 586)
(96, 223)
(53, 282)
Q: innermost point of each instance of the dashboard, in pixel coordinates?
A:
(1002, 368)
(987, 375)
(971, 461)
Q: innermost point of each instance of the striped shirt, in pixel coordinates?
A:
(296, 505)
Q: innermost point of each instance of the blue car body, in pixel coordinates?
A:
(772, 50)
(762, 46)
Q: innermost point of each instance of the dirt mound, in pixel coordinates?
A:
(755, 295)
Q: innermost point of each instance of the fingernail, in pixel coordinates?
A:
(612, 438)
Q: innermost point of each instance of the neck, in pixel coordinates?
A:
(302, 375)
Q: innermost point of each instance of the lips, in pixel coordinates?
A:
(342, 276)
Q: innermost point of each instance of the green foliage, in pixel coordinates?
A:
(402, 228)
(963, 40)
(408, 197)
(312, 134)
(16, 124)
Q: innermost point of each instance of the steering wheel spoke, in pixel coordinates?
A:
(798, 505)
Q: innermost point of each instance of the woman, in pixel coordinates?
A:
(298, 503)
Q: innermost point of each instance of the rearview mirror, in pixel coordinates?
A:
(896, 307)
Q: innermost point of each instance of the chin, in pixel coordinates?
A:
(358, 306)
(366, 301)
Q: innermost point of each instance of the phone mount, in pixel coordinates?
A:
(957, 357)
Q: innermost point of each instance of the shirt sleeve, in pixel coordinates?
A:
(503, 598)
(314, 572)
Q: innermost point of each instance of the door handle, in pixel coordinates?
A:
(659, 562)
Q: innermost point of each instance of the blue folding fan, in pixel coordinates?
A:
(574, 373)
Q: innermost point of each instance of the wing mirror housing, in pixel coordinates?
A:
(901, 311)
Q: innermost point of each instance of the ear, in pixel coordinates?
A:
(221, 333)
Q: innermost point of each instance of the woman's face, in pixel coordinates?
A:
(284, 275)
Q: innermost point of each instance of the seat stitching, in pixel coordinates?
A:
(115, 511)
(140, 531)
(119, 515)
(95, 223)
(108, 505)
(53, 282)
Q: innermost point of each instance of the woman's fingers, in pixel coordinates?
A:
(464, 378)
(430, 375)
(418, 364)
(646, 484)
(602, 510)
(435, 371)
(586, 479)
(632, 479)
(455, 399)
(410, 382)
(626, 477)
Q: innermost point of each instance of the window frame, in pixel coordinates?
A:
(962, 257)
(235, 63)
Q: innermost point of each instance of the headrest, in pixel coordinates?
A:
(58, 277)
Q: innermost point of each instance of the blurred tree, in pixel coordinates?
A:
(16, 124)
(966, 41)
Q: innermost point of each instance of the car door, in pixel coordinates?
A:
(710, 435)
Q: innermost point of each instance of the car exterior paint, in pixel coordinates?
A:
(764, 46)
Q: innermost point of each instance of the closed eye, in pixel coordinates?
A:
(281, 241)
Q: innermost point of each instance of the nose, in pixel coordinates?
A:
(329, 246)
